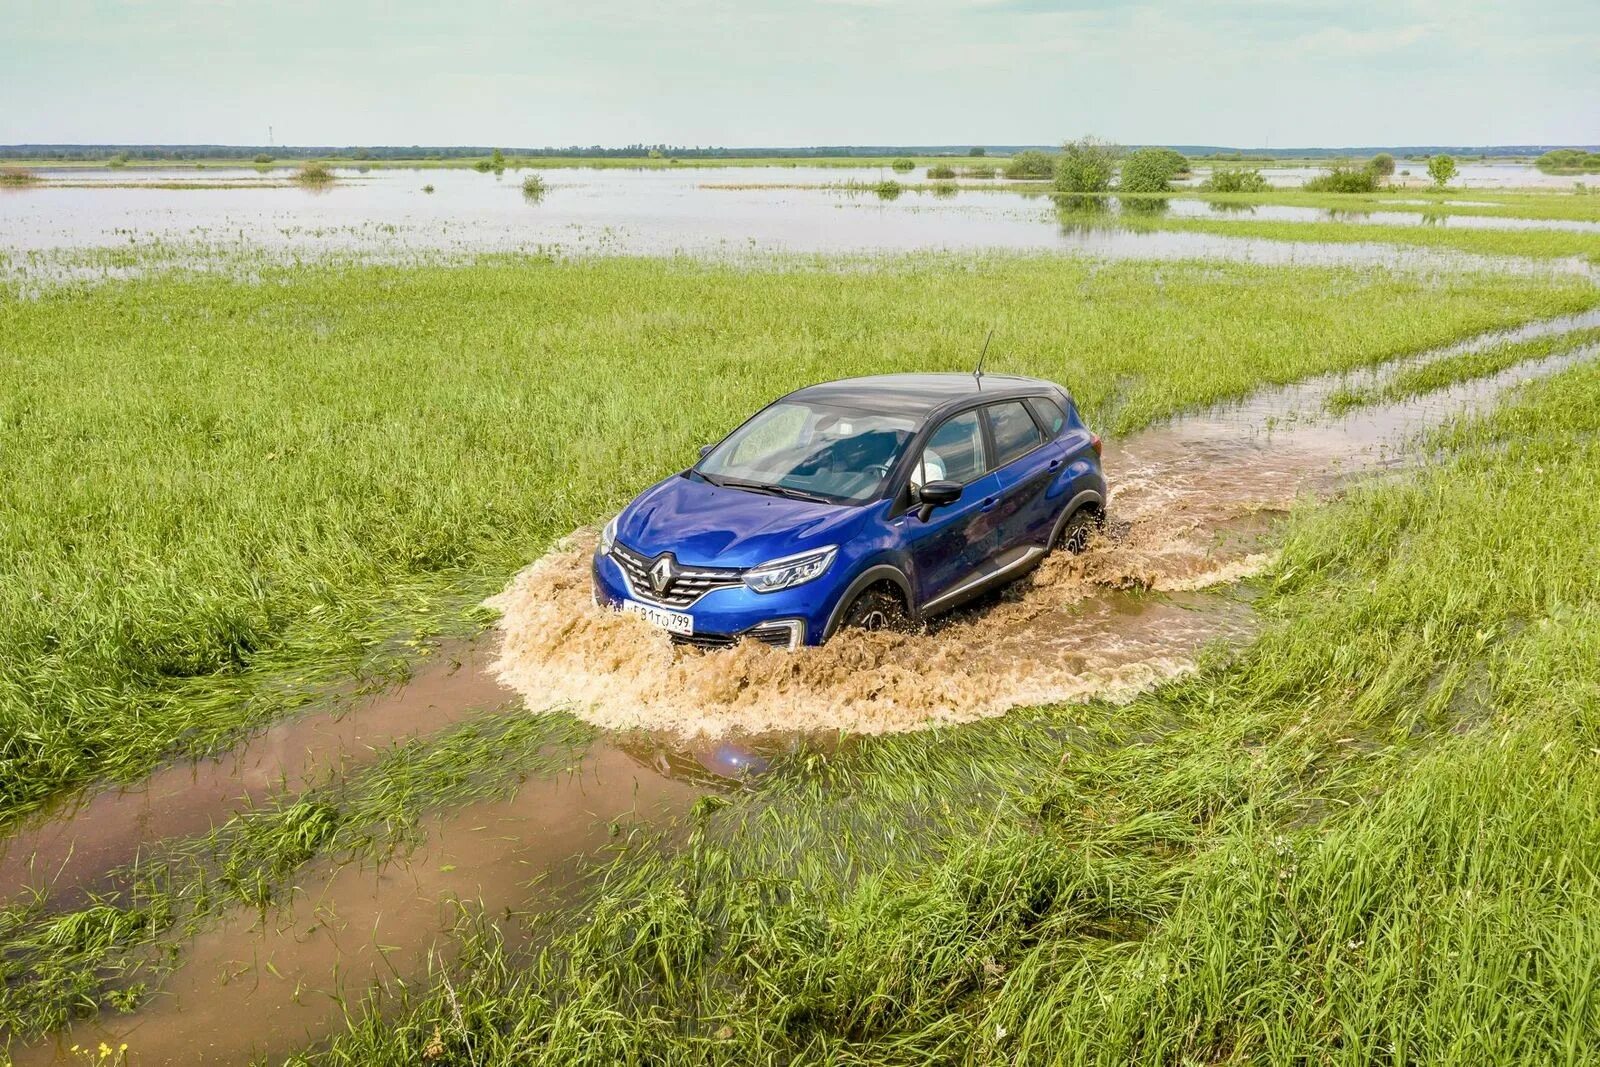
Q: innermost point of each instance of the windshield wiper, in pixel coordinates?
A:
(775, 490)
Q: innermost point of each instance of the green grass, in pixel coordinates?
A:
(1464, 366)
(1372, 837)
(55, 964)
(222, 494)
(1535, 244)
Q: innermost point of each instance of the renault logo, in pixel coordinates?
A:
(661, 574)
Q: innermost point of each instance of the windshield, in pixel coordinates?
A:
(815, 451)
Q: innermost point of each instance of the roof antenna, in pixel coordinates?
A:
(977, 371)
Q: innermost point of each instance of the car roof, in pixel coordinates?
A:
(918, 394)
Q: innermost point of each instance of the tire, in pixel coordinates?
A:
(877, 609)
(1080, 529)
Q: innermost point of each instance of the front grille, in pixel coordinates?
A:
(776, 636)
(689, 584)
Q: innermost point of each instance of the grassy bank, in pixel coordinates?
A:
(221, 493)
(1373, 837)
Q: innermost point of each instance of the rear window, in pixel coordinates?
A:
(1015, 433)
(1049, 414)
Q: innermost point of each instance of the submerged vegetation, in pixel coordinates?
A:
(314, 173)
(533, 187)
(17, 176)
(1461, 367)
(941, 172)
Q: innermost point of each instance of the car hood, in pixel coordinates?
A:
(709, 526)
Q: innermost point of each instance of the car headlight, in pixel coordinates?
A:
(790, 570)
(608, 536)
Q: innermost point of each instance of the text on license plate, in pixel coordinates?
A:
(672, 621)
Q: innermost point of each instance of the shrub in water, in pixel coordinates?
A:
(1085, 166)
(1382, 164)
(1030, 165)
(262, 158)
(1343, 179)
(941, 172)
(978, 172)
(1235, 180)
(314, 173)
(17, 176)
(1151, 170)
(903, 164)
(888, 189)
(1441, 169)
(533, 187)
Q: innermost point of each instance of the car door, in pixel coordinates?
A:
(958, 538)
(1025, 464)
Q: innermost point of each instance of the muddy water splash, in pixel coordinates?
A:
(1190, 503)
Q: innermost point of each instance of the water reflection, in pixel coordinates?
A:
(1145, 207)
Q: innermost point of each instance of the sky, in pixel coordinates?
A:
(1290, 73)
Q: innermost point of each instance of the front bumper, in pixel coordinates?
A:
(722, 617)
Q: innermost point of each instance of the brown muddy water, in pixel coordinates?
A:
(1194, 502)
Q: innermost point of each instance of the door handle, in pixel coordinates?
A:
(1054, 464)
(989, 503)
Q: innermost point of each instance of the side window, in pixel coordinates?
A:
(1015, 433)
(1049, 414)
(955, 452)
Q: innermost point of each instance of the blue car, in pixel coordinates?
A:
(871, 502)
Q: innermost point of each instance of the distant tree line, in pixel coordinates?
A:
(196, 153)
(1556, 158)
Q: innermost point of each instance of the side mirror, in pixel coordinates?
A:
(936, 495)
(705, 450)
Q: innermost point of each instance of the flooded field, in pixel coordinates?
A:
(428, 214)
(1194, 499)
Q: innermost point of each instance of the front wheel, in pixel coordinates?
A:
(877, 609)
(1080, 530)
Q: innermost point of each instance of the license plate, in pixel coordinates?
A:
(671, 621)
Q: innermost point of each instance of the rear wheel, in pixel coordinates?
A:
(1080, 529)
(878, 609)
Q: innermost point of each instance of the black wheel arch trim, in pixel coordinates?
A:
(879, 572)
(1080, 500)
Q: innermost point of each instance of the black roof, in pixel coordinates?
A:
(918, 394)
